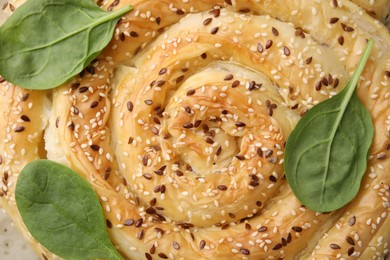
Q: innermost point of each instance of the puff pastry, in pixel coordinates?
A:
(180, 127)
(378, 9)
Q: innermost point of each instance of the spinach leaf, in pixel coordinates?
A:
(326, 153)
(46, 42)
(61, 211)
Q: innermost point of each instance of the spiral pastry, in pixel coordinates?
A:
(180, 127)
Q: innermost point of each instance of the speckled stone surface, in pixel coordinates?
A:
(12, 244)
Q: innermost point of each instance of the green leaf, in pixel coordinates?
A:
(326, 153)
(61, 211)
(47, 42)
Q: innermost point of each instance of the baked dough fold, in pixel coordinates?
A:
(181, 122)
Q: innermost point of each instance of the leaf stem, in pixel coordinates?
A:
(359, 69)
(119, 12)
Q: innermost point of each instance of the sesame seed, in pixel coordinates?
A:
(352, 221)
(95, 147)
(148, 256)
(245, 251)
(83, 89)
(228, 77)
(180, 79)
(109, 224)
(272, 178)
(219, 151)
(122, 36)
(277, 246)
(260, 48)
(318, 85)
(269, 153)
(297, 229)
(262, 229)
(299, 32)
(25, 96)
(147, 176)
(139, 222)
(162, 255)
(25, 118)
(209, 140)
(286, 51)
(309, 60)
(162, 71)
(179, 173)
(207, 21)
(240, 157)
(202, 244)
(160, 83)
(150, 210)
(129, 222)
(333, 20)
(176, 245)
(347, 28)
(214, 30)
(275, 31)
(94, 104)
(381, 156)
(350, 241)
(222, 187)
(268, 44)
(335, 246)
(190, 92)
(235, 84)
(336, 83)
(133, 34)
(324, 81)
(188, 125)
(19, 129)
(130, 106)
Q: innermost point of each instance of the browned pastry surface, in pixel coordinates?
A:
(180, 127)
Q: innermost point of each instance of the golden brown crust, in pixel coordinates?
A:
(379, 9)
(21, 129)
(226, 85)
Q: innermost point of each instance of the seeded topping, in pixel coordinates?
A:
(333, 20)
(172, 123)
(286, 51)
(191, 92)
(297, 229)
(275, 32)
(335, 246)
(130, 106)
(202, 244)
(222, 187)
(25, 118)
(277, 246)
(207, 21)
(19, 129)
(214, 30)
(268, 44)
(341, 40)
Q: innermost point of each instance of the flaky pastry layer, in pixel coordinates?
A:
(180, 126)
